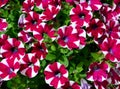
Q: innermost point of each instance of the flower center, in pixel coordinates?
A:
(40, 48)
(65, 38)
(34, 22)
(14, 49)
(69, 87)
(58, 74)
(82, 15)
(30, 63)
(94, 26)
(96, 68)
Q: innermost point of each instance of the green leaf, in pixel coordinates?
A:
(64, 61)
(50, 57)
(97, 56)
(53, 48)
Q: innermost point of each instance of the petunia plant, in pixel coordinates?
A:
(59, 44)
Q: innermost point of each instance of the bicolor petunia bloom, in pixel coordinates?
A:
(104, 11)
(113, 76)
(50, 13)
(13, 48)
(56, 74)
(9, 68)
(113, 29)
(84, 84)
(3, 38)
(101, 85)
(81, 33)
(30, 65)
(96, 28)
(68, 38)
(21, 21)
(25, 36)
(3, 24)
(32, 21)
(95, 4)
(81, 14)
(40, 50)
(3, 2)
(44, 29)
(28, 5)
(98, 71)
(73, 2)
(70, 85)
(110, 48)
(44, 4)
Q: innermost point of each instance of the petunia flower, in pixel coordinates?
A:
(70, 85)
(3, 38)
(30, 65)
(9, 68)
(3, 24)
(44, 4)
(110, 48)
(40, 50)
(25, 36)
(95, 4)
(96, 28)
(50, 13)
(3, 2)
(32, 21)
(56, 74)
(84, 84)
(98, 71)
(68, 38)
(113, 76)
(44, 29)
(13, 48)
(21, 21)
(101, 85)
(81, 34)
(28, 5)
(113, 29)
(81, 14)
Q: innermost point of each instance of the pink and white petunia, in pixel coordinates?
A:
(3, 2)
(81, 33)
(68, 37)
(40, 50)
(44, 4)
(50, 13)
(44, 29)
(3, 24)
(96, 28)
(28, 6)
(113, 29)
(95, 4)
(101, 85)
(32, 21)
(13, 48)
(98, 71)
(110, 48)
(3, 38)
(9, 68)
(25, 36)
(30, 65)
(56, 74)
(113, 76)
(70, 85)
(81, 14)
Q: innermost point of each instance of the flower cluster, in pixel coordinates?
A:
(88, 19)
